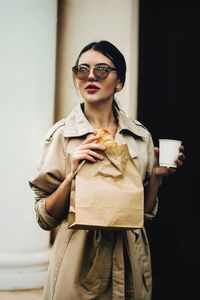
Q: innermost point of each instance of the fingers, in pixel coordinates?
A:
(87, 154)
(156, 151)
(92, 146)
(181, 157)
(163, 171)
(89, 151)
(181, 154)
(90, 140)
(156, 156)
(90, 143)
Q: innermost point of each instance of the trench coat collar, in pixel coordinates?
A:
(76, 124)
(131, 125)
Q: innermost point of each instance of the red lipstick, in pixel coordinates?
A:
(92, 88)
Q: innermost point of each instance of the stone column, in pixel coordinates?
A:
(82, 22)
(27, 79)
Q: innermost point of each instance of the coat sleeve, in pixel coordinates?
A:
(151, 160)
(51, 171)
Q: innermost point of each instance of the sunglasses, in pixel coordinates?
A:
(100, 72)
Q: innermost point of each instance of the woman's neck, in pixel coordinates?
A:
(100, 116)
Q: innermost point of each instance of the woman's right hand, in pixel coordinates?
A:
(86, 151)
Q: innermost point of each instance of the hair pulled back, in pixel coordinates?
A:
(111, 52)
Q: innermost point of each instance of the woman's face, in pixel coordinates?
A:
(91, 89)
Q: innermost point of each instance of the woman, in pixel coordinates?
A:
(96, 264)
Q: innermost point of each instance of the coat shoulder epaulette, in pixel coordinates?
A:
(54, 129)
(136, 122)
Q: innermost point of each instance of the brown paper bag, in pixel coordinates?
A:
(107, 194)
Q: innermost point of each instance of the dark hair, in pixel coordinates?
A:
(110, 51)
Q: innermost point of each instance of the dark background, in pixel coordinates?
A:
(168, 105)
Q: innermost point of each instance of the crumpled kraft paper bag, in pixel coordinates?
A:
(108, 194)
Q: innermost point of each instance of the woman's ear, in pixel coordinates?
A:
(119, 86)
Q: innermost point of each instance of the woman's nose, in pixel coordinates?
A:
(91, 75)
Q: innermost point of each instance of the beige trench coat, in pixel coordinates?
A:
(93, 264)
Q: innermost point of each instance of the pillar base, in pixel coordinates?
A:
(23, 271)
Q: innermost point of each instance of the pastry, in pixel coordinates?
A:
(105, 138)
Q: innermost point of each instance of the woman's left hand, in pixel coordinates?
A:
(164, 171)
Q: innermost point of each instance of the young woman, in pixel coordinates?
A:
(96, 264)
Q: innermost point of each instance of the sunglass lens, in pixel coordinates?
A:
(101, 72)
(81, 72)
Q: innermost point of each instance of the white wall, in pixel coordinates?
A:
(27, 79)
(27, 85)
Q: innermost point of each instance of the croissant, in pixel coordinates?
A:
(105, 138)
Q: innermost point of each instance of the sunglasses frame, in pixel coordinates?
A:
(108, 69)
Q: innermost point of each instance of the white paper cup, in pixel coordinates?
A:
(169, 151)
